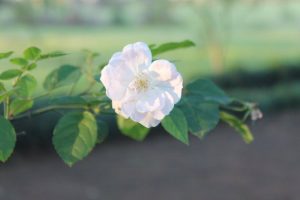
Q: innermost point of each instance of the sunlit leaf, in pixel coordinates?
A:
(5, 93)
(26, 86)
(6, 55)
(19, 61)
(32, 53)
(75, 136)
(7, 139)
(18, 106)
(10, 74)
(176, 124)
(2, 92)
(30, 66)
(170, 46)
(238, 125)
(132, 129)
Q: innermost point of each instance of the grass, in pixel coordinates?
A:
(251, 49)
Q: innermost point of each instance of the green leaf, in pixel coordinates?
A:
(19, 61)
(26, 86)
(6, 55)
(176, 124)
(9, 74)
(2, 87)
(18, 106)
(32, 53)
(201, 117)
(62, 76)
(30, 66)
(132, 129)
(53, 54)
(102, 131)
(203, 89)
(170, 46)
(3, 92)
(97, 78)
(75, 136)
(7, 139)
(238, 125)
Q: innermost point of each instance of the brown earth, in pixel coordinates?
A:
(220, 167)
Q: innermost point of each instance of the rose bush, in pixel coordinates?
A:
(142, 89)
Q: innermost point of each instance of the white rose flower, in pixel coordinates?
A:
(140, 89)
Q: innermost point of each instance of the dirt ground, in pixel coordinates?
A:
(220, 167)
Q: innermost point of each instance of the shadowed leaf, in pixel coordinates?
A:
(64, 75)
(176, 124)
(7, 139)
(75, 136)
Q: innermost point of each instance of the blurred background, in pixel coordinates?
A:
(251, 48)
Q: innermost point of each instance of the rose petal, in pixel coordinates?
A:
(138, 56)
(150, 101)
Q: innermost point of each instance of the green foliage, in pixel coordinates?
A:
(52, 55)
(6, 55)
(77, 132)
(75, 136)
(30, 66)
(67, 100)
(62, 76)
(102, 131)
(2, 92)
(132, 129)
(206, 90)
(7, 139)
(26, 86)
(201, 117)
(19, 61)
(18, 106)
(200, 106)
(32, 53)
(10, 74)
(170, 46)
(238, 125)
(176, 124)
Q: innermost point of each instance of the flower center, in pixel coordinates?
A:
(140, 83)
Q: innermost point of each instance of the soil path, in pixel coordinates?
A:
(220, 167)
